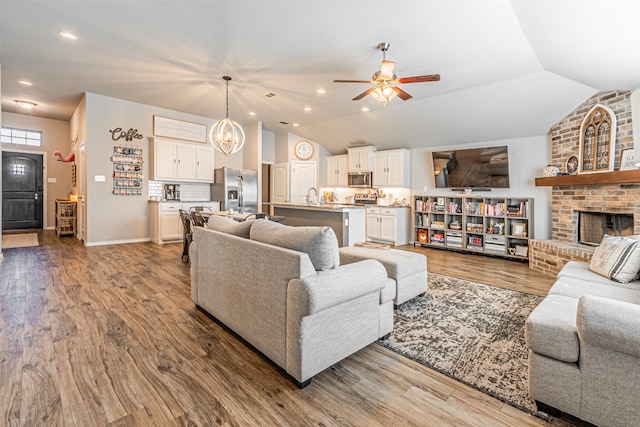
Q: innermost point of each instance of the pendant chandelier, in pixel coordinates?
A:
(227, 136)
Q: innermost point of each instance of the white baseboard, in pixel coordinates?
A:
(117, 242)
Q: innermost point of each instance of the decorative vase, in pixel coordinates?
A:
(551, 170)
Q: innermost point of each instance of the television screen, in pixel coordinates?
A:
(472, 168)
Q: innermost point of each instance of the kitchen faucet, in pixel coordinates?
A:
(309, 194)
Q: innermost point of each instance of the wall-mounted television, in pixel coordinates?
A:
(471, 168)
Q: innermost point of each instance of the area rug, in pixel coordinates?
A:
(471, 332)
(19, 240)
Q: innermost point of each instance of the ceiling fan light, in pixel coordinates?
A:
(383, 93)
(386, 70)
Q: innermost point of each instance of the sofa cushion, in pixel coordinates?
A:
(551, 328)
(320, 243)
(229, 226)
(617, 258)
(575, 288)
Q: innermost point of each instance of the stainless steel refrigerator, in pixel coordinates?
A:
(236, 189)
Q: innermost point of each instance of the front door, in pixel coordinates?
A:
(21, 191)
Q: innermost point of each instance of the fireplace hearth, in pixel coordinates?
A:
(592, 226)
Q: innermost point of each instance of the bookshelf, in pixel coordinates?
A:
(498, 226)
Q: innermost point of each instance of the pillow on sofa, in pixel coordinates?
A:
(617, 258)
(320, 243)
(229, 226)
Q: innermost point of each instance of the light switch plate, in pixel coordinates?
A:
(52, 180)
(100, 178)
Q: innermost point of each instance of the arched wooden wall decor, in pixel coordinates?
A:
(598, 140)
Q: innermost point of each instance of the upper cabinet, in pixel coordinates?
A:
(360, 158)
(337, 170)
(204, 163)
(180, 161)
(392, 168)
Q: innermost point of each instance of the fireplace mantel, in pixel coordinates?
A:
(616, 177)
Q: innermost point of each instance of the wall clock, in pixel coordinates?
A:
(303, 150)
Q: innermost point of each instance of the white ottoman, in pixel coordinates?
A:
(408, 269)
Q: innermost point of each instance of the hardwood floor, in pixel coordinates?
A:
(108, 335)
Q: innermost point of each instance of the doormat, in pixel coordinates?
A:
(471, 332)
(19, 240)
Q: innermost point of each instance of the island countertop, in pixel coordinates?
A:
(324, 207)
(348, 221)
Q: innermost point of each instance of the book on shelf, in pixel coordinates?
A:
(494, 209)
(518, 209)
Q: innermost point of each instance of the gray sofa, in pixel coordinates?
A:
(584, 348)
(283, 291)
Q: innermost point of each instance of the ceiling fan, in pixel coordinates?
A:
(385, 81)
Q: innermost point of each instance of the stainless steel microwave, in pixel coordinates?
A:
(359, 179)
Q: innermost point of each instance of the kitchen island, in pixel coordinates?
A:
(347, 221)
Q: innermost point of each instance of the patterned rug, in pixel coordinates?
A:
(471, 332)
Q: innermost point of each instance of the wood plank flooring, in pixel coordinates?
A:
(108, 336)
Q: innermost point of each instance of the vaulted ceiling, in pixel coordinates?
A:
(508, 68)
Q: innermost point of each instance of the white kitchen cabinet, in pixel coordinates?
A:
(391, 168)
(360, 158)
(388, 225)
(337, 170)
(180, 161)
(165, 225)
(163, 156)
(204, 164)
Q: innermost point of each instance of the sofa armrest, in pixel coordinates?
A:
(326, 289)
(609, 324)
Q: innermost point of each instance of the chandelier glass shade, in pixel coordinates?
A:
(383, 93)
(227, 136)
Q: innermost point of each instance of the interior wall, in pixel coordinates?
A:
(121, 219)
(252, 153)
(268, 146)
(55, 136)
(527, 160)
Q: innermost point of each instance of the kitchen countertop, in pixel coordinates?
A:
(324, 207)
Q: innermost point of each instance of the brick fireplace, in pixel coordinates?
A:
(567, 201)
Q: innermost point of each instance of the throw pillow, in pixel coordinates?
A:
(617, 258)
(320, 243)
(229, 226)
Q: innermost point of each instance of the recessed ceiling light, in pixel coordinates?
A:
(26, 83)
(67, 35)
(307, 108)
(321, 91)
(296, 124)
(252, 113)
(27, 105)
(365, 109)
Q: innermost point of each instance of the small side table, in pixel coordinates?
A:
(65, 217)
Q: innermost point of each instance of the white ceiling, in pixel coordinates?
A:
(508, 68)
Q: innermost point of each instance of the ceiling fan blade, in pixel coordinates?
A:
(365, 93)
(401, 94)
(419, 79)
(353, 81)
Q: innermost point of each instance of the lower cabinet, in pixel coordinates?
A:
(388, 225)
(165, 224)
